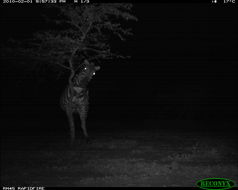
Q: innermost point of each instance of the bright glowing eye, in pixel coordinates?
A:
(85, 68)
(93, 73)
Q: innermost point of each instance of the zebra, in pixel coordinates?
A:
(75, 99)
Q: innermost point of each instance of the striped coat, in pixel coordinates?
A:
(75, 99)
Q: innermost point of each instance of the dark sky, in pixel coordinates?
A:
(182, 67)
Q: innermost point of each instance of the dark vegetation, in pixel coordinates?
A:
(121, 157)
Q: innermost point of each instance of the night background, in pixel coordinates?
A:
(181, 76)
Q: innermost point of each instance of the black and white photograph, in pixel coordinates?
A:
(118, 94)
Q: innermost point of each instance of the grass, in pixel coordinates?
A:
(139, 159)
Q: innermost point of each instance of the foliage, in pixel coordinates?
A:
(80, 32)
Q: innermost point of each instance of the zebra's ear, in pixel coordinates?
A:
(97, 68)
(86, 62)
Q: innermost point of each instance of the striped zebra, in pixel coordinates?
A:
(75, 99)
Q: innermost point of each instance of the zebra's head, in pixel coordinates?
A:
(90, 69)
(85, 75)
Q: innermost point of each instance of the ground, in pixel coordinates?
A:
(123, 158)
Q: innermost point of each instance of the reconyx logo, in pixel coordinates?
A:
(215, 183)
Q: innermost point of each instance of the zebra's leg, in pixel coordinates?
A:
(83, 117)
(71, 125)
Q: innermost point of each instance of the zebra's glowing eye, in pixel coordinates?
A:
(85, 68)
(93, 73)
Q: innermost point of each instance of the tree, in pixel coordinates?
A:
(82, 31)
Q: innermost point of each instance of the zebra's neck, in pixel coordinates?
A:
(81, 80)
